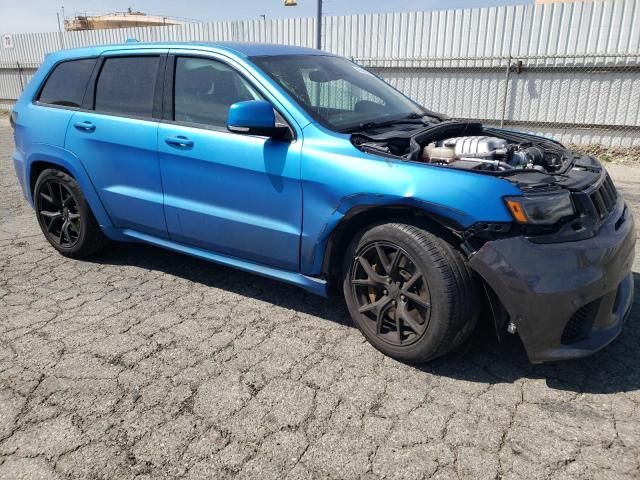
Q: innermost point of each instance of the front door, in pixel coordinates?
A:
(233, 194)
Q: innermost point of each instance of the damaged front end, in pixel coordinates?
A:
(559, 274)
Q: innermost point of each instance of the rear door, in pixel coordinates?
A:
(116, 138)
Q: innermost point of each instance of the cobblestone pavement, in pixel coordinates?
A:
(148, 364)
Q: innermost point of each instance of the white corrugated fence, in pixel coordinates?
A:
(571, 70)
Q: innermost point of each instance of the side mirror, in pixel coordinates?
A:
(255, 117)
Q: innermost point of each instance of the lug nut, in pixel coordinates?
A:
(384, 292)
(403, 298)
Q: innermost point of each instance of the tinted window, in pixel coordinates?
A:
(67, 83)
(205, 89)
(126, 85)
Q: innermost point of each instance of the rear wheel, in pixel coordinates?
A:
(64, 215)
(409, 291)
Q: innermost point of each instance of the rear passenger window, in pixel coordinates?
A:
(205, 89)
(126, 85)
(67, 83)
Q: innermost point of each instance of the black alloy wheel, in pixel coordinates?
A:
(64, 215)
(408, 290)
(59, 214)
(391, 292)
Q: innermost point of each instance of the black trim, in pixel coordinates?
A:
(89, 98)
(158, 90)
(169, 85)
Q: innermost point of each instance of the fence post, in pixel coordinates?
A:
(506, 91)
(20, 77)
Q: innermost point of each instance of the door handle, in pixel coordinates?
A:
(179, 141)
(85, 126)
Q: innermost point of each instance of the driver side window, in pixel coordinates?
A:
(205, 89)
(338, 95)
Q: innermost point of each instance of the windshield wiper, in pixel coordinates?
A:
(413, 117)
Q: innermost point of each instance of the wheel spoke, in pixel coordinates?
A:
(398, 325)
(54, 200)
(409, 320)
(373, 276)
(394, 263)
(411, 282)
(421, 302)
(73, 227)
(60, 194)
(384, 260)
(374, 306)
(48, 198)
(363, 282)
(66, 231)
(380, 317)
(74, 216)
(51, 215)
(61, 234)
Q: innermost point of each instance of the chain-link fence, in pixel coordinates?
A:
(13, 78)
(579, 99)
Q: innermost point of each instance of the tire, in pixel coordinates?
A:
(65, 217)
(430, 316)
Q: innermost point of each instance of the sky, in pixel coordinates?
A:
(20, 16)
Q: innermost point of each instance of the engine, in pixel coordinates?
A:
(464, 145)
(481, 152)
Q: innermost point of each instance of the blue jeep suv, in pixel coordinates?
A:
(304, 167)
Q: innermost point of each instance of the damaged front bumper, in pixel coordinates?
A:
(567, 300)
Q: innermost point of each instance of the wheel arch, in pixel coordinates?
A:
(48, 156)
(39, 166)
(360, 217)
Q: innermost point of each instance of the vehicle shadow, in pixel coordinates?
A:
(482, 359)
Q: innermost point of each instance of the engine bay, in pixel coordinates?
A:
(467, 146)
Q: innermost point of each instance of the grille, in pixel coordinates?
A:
(580, 323)
(604, 198)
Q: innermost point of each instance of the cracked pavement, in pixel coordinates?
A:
(142, 363)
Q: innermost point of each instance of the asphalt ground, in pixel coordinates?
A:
(142, 363)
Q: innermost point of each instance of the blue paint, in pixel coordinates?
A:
(262, 205)
(251, 113)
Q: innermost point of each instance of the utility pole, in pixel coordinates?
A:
(319, 25)
(293, 3)
(60, 31)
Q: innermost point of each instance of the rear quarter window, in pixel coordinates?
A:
(126, 86)
(67, 83)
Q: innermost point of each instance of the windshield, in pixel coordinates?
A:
(336, 92)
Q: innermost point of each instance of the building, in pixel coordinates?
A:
(117, 20)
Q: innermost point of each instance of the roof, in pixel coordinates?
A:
(236, 48)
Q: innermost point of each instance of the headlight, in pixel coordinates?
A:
(544, 209)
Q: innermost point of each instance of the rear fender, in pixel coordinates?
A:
(68, 161)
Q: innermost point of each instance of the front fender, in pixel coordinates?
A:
(337, 177)
(67, 160)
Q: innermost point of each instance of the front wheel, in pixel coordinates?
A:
(409, 291)
(64, 215)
